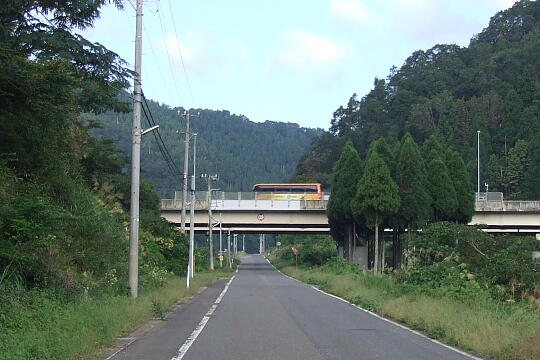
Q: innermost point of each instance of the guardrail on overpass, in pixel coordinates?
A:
(245, 210)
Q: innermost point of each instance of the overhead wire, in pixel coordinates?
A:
(180, 53)
(171, 64)
(151, 121)
(171, 166)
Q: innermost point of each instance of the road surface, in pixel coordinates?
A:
(262, 314)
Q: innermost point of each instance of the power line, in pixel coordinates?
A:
(170, 167)
(157, 64)
(159, 140)
(180, 53)
(173, 72)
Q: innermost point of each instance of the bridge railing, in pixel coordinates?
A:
(508, 205)
(244, 195)
(243, 201)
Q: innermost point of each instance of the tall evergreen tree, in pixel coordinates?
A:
(440, 189)
(347, 171)
(432, 149)
(532, 182)
(376, 197)
(415, 201)
(380, 146)
(494, 173)
(462, 186)
(514, 176)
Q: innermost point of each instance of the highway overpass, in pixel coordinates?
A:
(243, 213)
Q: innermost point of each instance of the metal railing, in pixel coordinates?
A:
(221, 200)
(489, 196)
(248, 195)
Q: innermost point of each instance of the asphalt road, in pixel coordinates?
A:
(261, 314)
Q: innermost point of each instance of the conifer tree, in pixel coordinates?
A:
(532, 183)
(347, 172)
(440, 189)
(376, 197)
(462, 186)
(381, 147)
(514, 176)
(494, 173)
(432, 148)
(415, 201)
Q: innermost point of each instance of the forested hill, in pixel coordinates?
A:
(492, 85)
(242, 152)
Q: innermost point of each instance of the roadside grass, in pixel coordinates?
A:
(485, 327)
(47, 328)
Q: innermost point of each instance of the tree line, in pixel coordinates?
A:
(490, 86)
(241, 151)
(398, 186)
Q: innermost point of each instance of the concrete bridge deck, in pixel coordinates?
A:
(243, 212)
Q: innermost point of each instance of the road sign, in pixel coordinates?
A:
(295, 252)
(260, 217)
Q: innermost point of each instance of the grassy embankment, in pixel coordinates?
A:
(47, 328)
(485, 326)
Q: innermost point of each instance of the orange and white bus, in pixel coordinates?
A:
(288, 191)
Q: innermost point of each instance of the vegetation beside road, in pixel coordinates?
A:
(43, 326)
(445, 290)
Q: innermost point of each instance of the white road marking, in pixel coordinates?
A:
(383, 318)
(193, 336)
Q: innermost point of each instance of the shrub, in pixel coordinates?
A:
(463, 259)
(313, 250)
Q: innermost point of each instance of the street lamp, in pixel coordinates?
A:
(478, 166)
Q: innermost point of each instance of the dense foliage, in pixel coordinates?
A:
(63, 197)
(444, 260)
(348, 170)
(462, 259)
(490, 86)
(392, 189)
(313, 250)
(240, 151)
(376, 198)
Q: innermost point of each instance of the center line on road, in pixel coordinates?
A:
(193, 336)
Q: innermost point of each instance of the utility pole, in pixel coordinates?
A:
(229, 249)
(243, 243)
(220, 242)
(133, 264)
(209, 179)
(191, 269)
(191, 262)
(185, 174)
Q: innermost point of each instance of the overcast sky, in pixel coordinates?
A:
(282, 60)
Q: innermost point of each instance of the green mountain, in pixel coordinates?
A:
(491, 86)
(242, 152)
